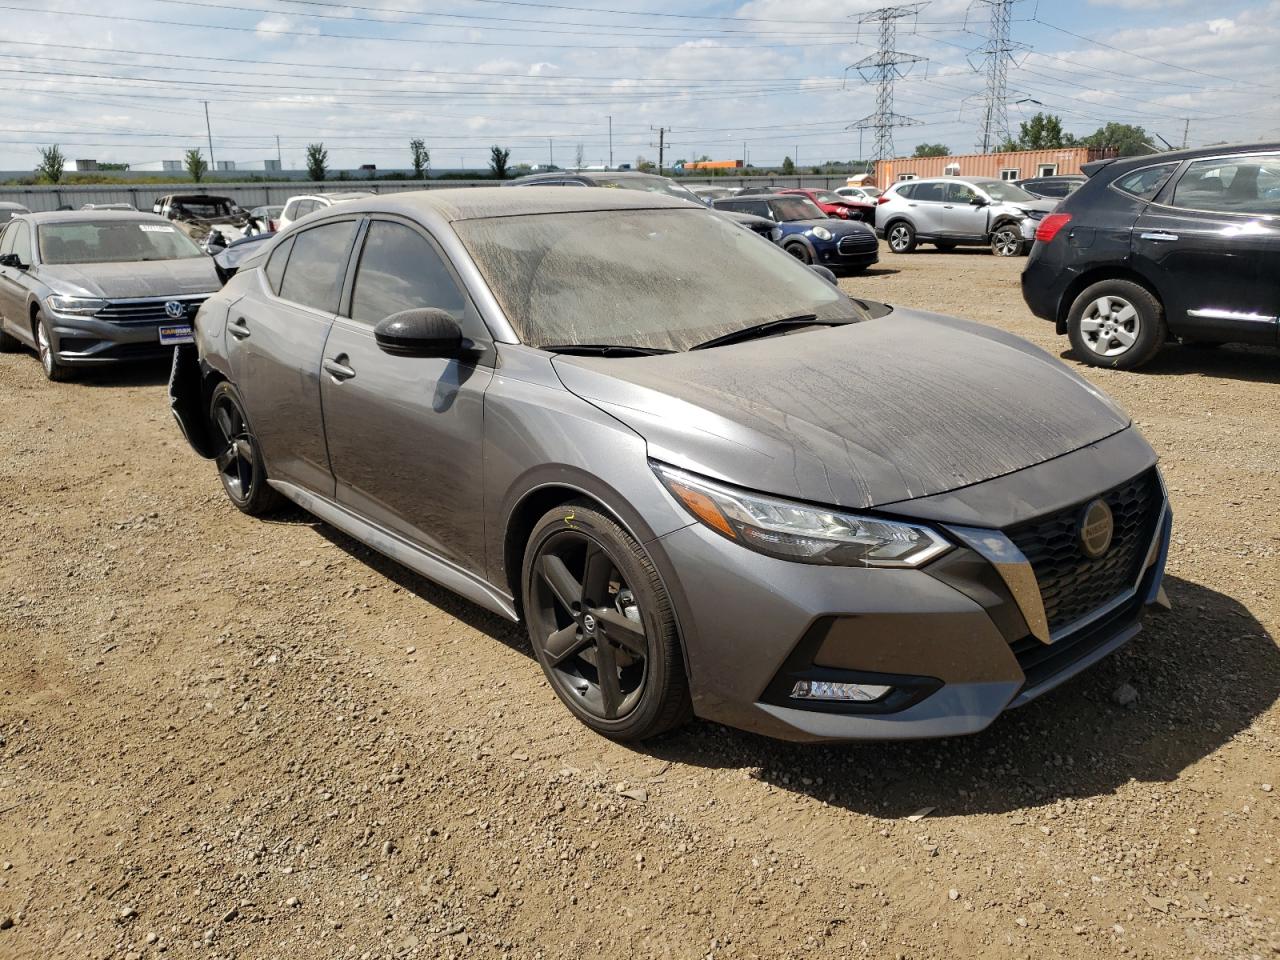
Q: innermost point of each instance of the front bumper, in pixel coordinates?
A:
(80, 340)
(957, 640)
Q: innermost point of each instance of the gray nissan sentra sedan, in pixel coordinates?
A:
(707, 481)
(95, 287)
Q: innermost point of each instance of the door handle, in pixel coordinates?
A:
(1159, 237)
(238, 328)
(337, 368)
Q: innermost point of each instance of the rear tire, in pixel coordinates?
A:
(1116, 324)
(901, 236)
(239, 462)
(602, 626)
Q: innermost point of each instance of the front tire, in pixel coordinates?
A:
(800, 252)
(602, 626)
(239, 462)
(1006, 241)
(54, 370)
(1116, 324)
(901, 237)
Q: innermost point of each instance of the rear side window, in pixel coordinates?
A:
(291, 210)
(930, 192)
(317, 265)
(1235, 185)
(6, 238)
(22, 242)
(1146, 183)
(908, 191)
(275, 265)
(401, 270)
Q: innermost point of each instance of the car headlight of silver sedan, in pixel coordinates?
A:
(789, 530)
(78, 305)
(822, 233)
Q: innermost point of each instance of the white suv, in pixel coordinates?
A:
(298, 207)
(960, 211)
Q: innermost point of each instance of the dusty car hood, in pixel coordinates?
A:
(148, 278)
(908, 405)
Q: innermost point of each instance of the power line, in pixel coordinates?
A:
(883, 68)
(994, 57)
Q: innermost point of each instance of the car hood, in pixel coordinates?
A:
(147, 278)
(909, 405)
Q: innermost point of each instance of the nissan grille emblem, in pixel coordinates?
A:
(175, 310)
(1097, 526)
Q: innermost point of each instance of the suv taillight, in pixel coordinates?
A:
(883, 198)
(1050, 226)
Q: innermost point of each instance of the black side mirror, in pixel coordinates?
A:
(977, 202)
(10, 260)
(428, 332)
(824, 273)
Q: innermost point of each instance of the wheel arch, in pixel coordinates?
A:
(1097, 275)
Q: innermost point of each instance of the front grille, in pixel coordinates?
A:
(848, 246)
(1073, 586)
(147, 311)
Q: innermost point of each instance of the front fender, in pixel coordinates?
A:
(187, 400)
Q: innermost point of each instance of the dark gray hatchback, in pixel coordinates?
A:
(705, 479)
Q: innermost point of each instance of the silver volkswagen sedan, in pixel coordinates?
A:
(706, 480)
(95, 287)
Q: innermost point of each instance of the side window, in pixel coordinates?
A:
(291, 210)
(759, 207)
(275, 265)
(317, 265)
(22, 242)
(960, 193)
(930, 192)
(401, 270)
(1240, 185)
(907, 192)
(1146, 183)
(6, 238)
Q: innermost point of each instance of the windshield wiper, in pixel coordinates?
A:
(767, 328)
(604, 349)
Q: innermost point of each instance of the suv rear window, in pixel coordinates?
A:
(1232, 185)
(1146, 183)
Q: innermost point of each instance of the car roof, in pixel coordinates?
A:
(1177, 156)
(9, 205)
(336, 197)
(95, 216)
(478, 203)
(585, 175)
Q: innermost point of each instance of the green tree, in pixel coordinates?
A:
(51, 166)
(421, 158)
(498, 162)
(1044, 132)
(317, 161)
(932, 150)
(1126, 139)
(788, 166)
(196, 165)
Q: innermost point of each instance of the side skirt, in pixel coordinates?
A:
(448, 575)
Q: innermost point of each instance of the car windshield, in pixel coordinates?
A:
(655, 279)
(796, 208)
(660, 185)
(1006, 192)
(113, 241)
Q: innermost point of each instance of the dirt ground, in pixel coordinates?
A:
(221, 737)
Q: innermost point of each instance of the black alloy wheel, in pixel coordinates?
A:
(601, 625)
(239, 460)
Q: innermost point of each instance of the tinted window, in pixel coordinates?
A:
(316, 267)
(795, 208)
(1240, 185)
(22, 242)
(275, 265)
(908, 191)
(401, 270)
(1146, 183)
(759, 207)
(930, 192)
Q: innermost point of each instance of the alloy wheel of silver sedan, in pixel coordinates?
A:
(1110, 326)
(1006, 242)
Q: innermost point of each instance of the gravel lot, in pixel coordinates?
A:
(227, 738)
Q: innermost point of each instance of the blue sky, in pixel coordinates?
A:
(125, 81)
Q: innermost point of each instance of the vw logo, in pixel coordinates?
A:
(1097, 526)
(588, 624)
(175, 310)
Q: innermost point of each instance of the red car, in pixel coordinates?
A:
(834, 205)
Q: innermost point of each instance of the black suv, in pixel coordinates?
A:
(1183, 244)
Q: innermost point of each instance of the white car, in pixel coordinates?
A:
(859, 193)
(298, 207)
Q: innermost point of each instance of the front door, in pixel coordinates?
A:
(404, 433)
(275, 337)
(961, 218)
(1211, 244)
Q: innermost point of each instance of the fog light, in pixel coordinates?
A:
(840, 692)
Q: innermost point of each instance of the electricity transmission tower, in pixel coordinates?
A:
(882, 68)
(993, 59)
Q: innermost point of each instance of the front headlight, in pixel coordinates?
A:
(775, 234)
(79, 305)
(822, 233)
(797, 531)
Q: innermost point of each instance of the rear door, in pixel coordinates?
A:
(405, 433)
(1211, 243)
(275, 338)
(925, 207)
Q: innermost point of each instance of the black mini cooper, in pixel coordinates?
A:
(1183, 245)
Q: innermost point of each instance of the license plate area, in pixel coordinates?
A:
(172, 334)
